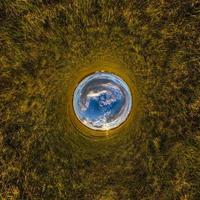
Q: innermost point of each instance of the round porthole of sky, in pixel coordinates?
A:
(102, 101)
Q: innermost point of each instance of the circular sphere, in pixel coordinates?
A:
(102, 101)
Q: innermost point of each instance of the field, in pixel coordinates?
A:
(45, 44)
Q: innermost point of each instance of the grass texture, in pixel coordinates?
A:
(43, 44)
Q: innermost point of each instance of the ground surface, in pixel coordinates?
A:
(43, 43)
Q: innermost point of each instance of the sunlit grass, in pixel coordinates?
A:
(45, 44)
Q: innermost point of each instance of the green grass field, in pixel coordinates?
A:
(43, 44)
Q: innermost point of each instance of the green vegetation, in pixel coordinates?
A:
(43, 43)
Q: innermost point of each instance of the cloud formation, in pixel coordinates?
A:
(102, 101)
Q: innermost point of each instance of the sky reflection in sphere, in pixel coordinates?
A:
(102, 101)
